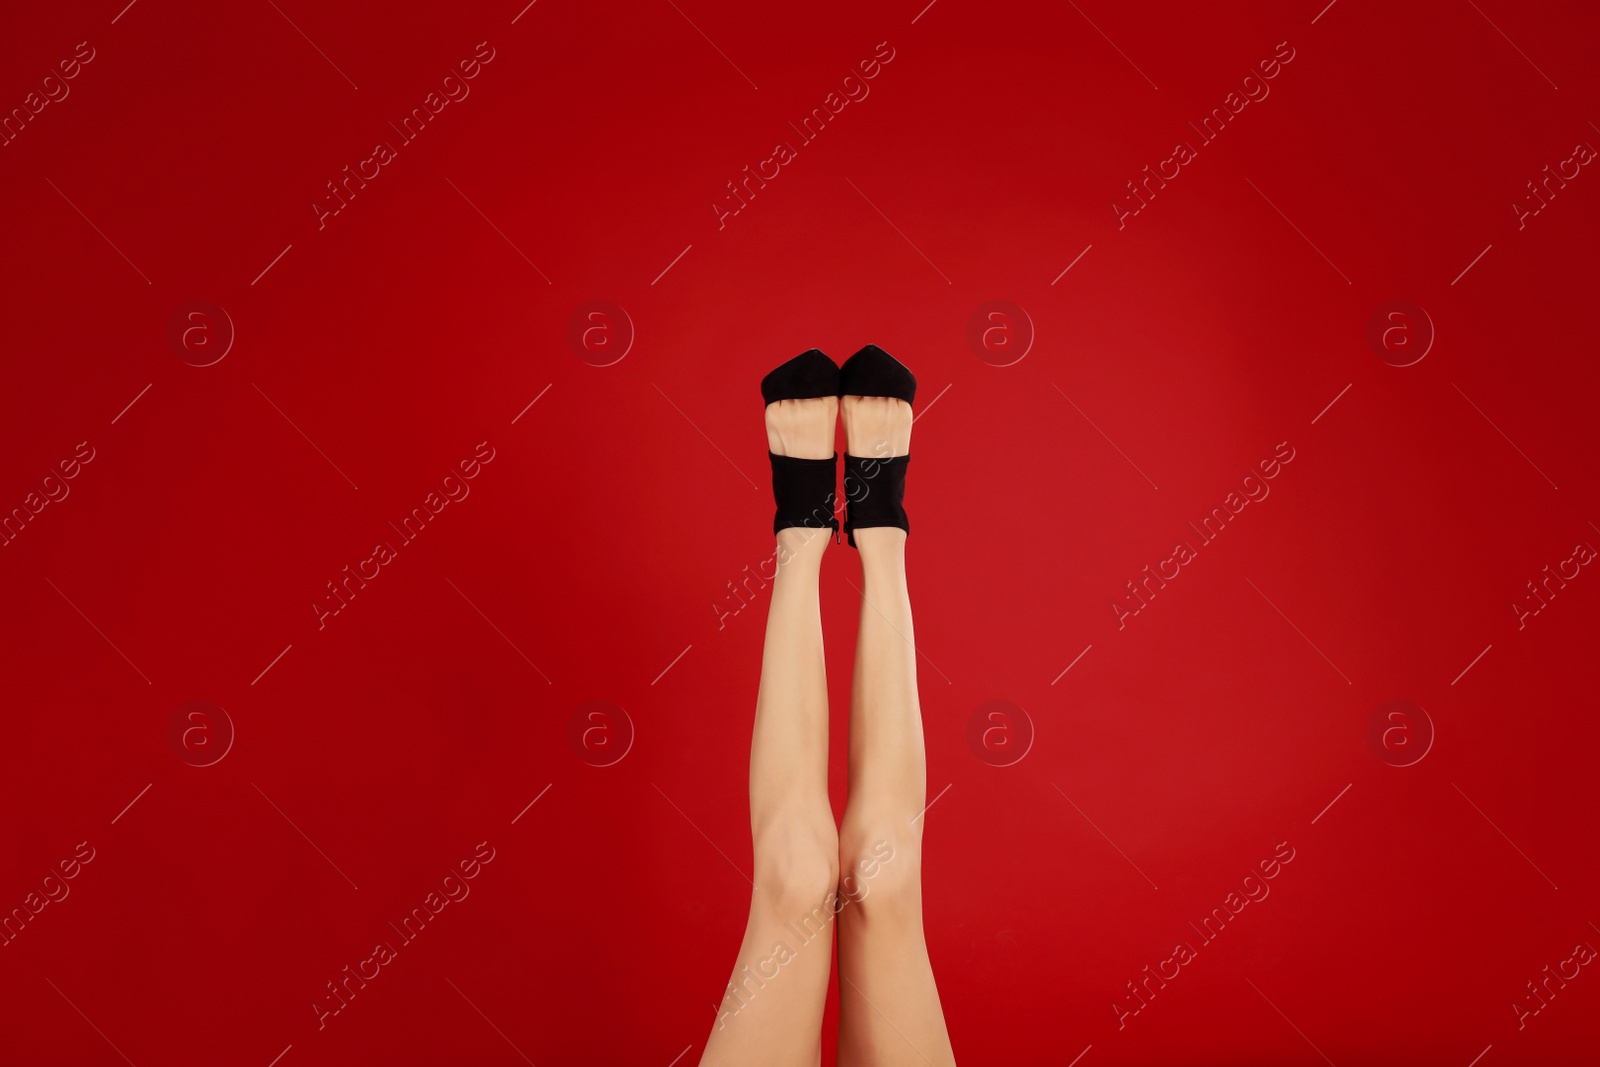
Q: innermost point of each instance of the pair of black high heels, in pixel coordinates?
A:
(874, 486)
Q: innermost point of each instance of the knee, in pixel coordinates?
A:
(798, 865)
(879, 869)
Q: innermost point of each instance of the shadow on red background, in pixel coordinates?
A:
(359, 353)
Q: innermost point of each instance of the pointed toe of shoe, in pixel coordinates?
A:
(810, 374)
(874, 372)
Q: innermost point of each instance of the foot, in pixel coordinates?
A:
(876, 427)
(803, 429)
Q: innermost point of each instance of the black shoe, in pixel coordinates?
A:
(805, 377)
(875, 487)
(874, 372)
(803, 489)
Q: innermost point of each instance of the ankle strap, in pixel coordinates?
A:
(874, 492)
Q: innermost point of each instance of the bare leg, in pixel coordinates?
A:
(772, 1010)
(889, 1010)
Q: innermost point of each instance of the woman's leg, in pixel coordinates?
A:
(889, 1011)
(772, 1010)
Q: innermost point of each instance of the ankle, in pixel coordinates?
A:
(802, 545)
(882, 544)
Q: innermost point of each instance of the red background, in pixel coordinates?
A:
(376, 352)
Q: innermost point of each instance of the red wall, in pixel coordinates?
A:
(1428, 461)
